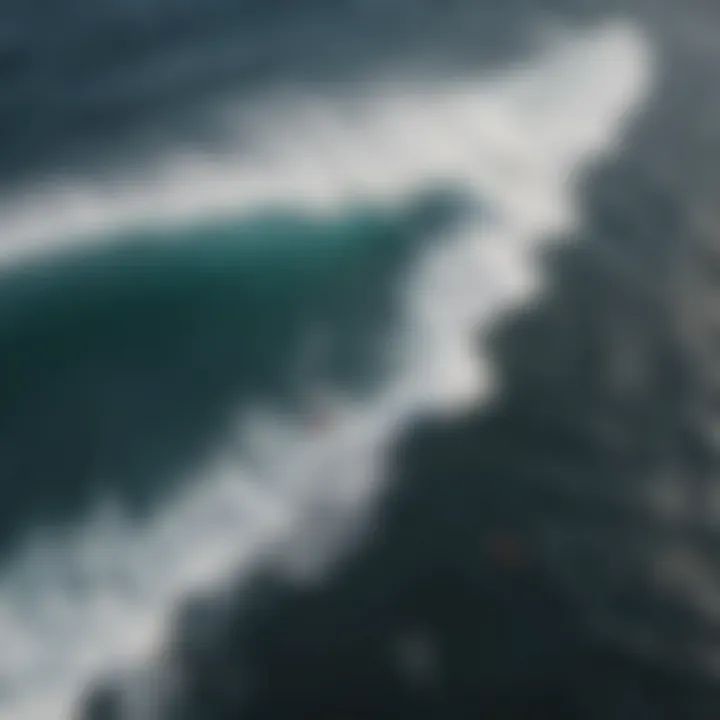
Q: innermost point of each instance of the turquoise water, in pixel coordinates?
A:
(122, 364)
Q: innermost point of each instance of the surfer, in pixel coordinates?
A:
(322, 413)
(318, 405)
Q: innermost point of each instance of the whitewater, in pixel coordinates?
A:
(515, 140)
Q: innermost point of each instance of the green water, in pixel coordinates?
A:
(123, 363)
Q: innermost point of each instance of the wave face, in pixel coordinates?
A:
(245, 246)
(124, 362)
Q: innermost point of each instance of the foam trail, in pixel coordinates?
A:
(373, 140)
(94, 600)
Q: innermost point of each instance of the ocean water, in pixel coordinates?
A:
(163, 356)
(239, 261)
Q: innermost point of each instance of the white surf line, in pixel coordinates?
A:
(320, 149)
(513, 141)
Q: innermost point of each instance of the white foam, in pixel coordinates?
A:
(513, 140)
(379, 139)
